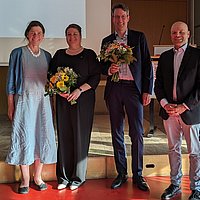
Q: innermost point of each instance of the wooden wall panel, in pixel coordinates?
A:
(150, 16)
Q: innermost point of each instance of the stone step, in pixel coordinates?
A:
(98, 167)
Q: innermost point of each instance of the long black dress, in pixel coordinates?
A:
(74, 122)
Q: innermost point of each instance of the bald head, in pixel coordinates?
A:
(179, 34)
(179, 24)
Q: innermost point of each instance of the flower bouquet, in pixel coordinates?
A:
(118, 53)
(61, 82)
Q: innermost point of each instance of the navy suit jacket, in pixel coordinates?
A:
(141, 69)
(188, 83)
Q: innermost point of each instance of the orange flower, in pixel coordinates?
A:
(117, 53)
(53, 79)
(61, 82)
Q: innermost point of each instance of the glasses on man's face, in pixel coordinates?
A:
(123, 17)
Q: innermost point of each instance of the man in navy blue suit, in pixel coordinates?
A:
(177, 88)
(129, 95)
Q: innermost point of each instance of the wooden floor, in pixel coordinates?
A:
(96, 190)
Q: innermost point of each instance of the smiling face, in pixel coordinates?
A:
(179, 34)
(73, 38)
(35, 36)
(120, 20)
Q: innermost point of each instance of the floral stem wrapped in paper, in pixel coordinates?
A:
(118, 53)
(61, 82)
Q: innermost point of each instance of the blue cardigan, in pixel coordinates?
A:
(15, 71)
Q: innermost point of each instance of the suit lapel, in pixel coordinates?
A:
(170, 66)
(128, 38)
(113, 37)
(184, 61)
(131, 39)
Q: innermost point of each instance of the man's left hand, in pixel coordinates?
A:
(180, 109)
(146, 99)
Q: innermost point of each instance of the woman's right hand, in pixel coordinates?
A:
(64, 95)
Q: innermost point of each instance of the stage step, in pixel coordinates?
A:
(98, 167)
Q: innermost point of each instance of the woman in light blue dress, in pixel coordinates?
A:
(33, 136)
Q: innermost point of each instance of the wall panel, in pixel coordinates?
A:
(150, 16)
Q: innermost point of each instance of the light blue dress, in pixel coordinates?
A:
(33, 135)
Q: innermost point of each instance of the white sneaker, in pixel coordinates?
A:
(73, 187)
(61, 186)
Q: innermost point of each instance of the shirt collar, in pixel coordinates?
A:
(183, 47)
(125, 35)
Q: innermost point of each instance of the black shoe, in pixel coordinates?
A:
(141, 183)
(171, 191)
(195, 195)
(41, 187)
(121, 178)
(23, 190)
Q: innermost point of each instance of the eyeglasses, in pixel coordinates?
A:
(123, 17)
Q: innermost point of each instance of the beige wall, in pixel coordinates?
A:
(97, 26)
(146, 15)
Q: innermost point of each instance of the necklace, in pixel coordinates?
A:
(74, 51)
(35, 55)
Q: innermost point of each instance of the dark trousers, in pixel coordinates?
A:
(74, 126)
(125, 97)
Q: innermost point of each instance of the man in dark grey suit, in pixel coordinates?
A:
(177, 88)
(129, 94)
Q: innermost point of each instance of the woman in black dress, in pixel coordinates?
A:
(74, 122)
